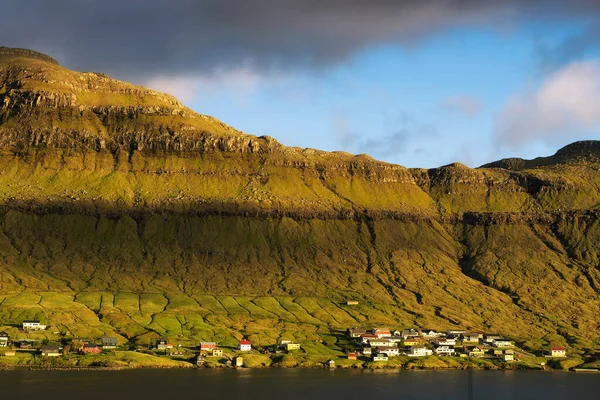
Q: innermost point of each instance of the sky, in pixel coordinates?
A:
(421, 83)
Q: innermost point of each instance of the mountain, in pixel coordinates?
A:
(124, 212)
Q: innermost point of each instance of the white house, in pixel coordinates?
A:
(445, 351)
(508, 357)
(419, 352)
(445, 342)
(430, 334)
(502, 343)
(554, 351)
(381, 332)
(391, 351)
(3, 339)
(379, 357)
(379, 342)
(245, 345)
(33, 325)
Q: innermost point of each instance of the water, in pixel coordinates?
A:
(292, 384)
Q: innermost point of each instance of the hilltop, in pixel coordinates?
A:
(123, 211)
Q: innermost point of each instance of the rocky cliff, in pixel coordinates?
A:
(110, 187)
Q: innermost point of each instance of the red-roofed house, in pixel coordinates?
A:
(207, 346)
(558, 352)
(381, 332)
(245, 345)
(89, 348)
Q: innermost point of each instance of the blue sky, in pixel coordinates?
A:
(433, 103)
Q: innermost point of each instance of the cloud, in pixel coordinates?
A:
(139, 39)
(566, 104)
(240, 81)
(462, 104)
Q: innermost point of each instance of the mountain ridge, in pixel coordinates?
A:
(109, 188)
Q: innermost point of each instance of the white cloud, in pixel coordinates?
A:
(565, 105)
(240, 81)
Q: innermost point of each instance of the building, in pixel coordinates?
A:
(417, 351)
(163, 345)
(352, 356)
(367, 336)
(331, 364)
(476, 352)
(431, 334)
(109, 342)
(507, 357)
(557, 352)
(490, 337)
(33, 325)
(379, 357)
(409, 333)
(412, 342)
(291, 346)
(90, 348)
(391, 351)
(445, 351)
(356, 332)
(380, 342)
(9, 353)
(245, 345)
(381, 332)
(50, 351)
(445, 342)
(238, 362)
(3, 339)
(351, 303)
(217, 353)
(455, 332)
(207, 346)
(502, 343)
(367, 351)
(471, 337)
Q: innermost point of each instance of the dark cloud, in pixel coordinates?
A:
(135, 38)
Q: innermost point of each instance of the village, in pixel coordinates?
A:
(362, 347)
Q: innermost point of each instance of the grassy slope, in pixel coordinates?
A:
(232, 241)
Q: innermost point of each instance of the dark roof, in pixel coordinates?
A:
(89, 346)
(50, 348)
(32, 321)
(3, 334)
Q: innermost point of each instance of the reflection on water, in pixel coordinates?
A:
(292, 384)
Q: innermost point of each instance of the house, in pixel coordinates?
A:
(162, 345)
(471, 337)
(367, 336)
(217, 353)
(502, 343)
(9, 353)
(379, 342)
(3, 339)
(431, 334)
(291, 346)
(331, 364)
(455, 332)
(25, 344)
(33, 325)
(238, 361)
(245, 345)
(351, 303)
(391, 351)
(507, 357)
(490, 337)
(497, 352)
(50, 351)
(90, 348)
(557, 352)
(352, 356)
(476, 351)
(367, 351)
(381, 332)
(445, 351)
(445, 342)
(413, 342)
(418, 351)
(379, 357)
(356, 332)
(409, 333)
(109, 342)
(207, 346)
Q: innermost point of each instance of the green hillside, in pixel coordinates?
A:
(122, 211)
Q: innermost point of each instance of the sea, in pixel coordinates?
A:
(292, 384)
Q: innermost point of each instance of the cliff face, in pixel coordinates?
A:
(109, 187)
